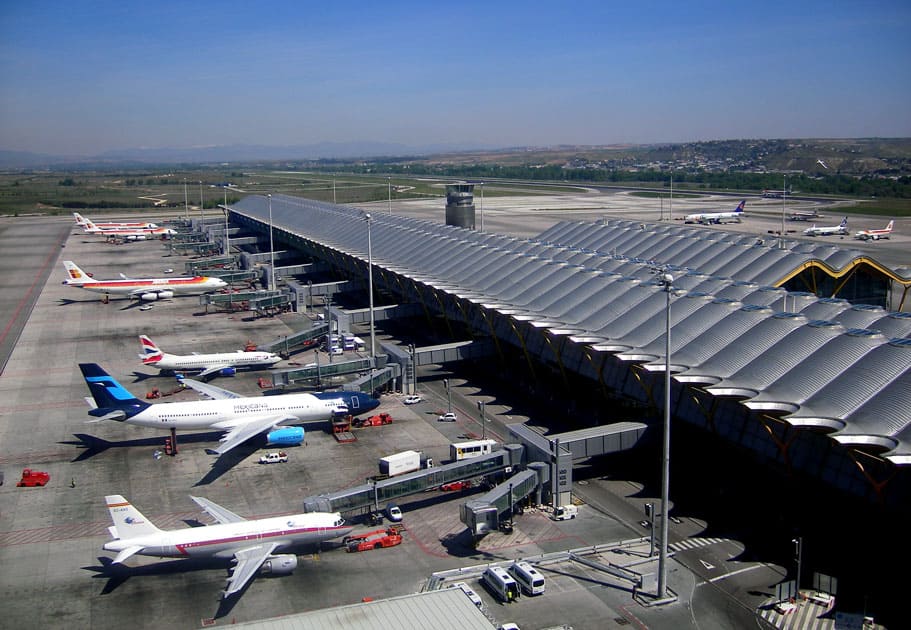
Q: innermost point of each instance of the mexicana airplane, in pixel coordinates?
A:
(250, 543)
(841, 228)
(717, 217)
(148, 289)
(223, 363)
(241, 418)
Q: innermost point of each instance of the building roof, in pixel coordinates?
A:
(817, 362)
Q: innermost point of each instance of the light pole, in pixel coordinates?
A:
(202, 219)
(482, 206)
(448, 394)
(369, 220)
(798, 555)
(784, 194)
(389, 185)
(483, 420)
(227, 244)
(667, 281)
(186, 201)
(272, 252)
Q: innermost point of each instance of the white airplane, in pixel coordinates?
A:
(241, 418)
(82, 222)
(250, 543)
(717, 217)
(875, 235)
(128, 233)
(147, 289)
(841, 228)
(804, 215)
(223, 363)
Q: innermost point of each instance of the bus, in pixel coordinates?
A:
(466, 450)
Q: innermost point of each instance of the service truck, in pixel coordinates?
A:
(404, 462)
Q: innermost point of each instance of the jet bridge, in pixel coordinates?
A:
(374, 495)
(482, 515)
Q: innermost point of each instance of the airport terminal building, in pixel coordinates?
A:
(783, 349)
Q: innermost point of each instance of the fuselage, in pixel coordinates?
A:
(223, 540)
(231, 412)
(197, 284)
(205, 361)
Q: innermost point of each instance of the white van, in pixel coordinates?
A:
(529, 579)
(565, 512)
(501, 584)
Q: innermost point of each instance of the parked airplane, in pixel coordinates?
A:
(241, 418)
(82, 222)
(804, 215)
(250, 543)
(223, 363)
(717, 217)
(128, 233)
(875, 235)
(148, 289)
(841, 228)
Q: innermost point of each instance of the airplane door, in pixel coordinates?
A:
(355, 402)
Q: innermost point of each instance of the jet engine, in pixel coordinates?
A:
(281, 564)
(165, 294)
(228, 371)
(148, 297)
(286, 436)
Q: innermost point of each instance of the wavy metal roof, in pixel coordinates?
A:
(818, 362)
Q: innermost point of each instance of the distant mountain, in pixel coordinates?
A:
(229, 153)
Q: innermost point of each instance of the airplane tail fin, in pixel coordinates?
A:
(113, 400)
(80, 220)
(76, 275)
(844, 222)
(891, 223)
(151, 354)
(741, 206)
(128, 521)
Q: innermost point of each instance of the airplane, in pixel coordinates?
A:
(251, 544)
(128, 233)
(223, 363)
(875, 235)
(82, 222)
(148, 289)
(241, 418)
(841, 228)
(717, 217)
(804, 215)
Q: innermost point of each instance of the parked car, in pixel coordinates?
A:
(393, 513)
(413, 399)
(274, 458)
(447, 417)
(454, 486)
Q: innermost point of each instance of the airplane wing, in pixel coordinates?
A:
(126, 553)
(213, 370)
(249, 561)
(241, 433)
(213, 392)
(220, 514)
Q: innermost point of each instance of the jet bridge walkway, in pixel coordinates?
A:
(372, 496)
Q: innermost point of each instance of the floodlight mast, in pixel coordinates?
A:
(667, 281)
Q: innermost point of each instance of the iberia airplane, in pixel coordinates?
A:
(148, 289)
(875, 235)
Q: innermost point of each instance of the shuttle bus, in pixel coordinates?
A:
(466, 450)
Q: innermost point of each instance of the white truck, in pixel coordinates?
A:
(404, 462)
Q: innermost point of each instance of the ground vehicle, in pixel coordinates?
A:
(565, 512)
(500, 584)
(404, 462)
(529, 579)
(393, 513)
(474, 597)
(32, 478)
(389, 537)
(466, 450)
(413, 399)
(374, 421)
(279, 457)
(455, 486)
(447, 417)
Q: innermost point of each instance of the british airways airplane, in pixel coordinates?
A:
(717, 217)
(223, 363)
(250, 543)
(241, 418)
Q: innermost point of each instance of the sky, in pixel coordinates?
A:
(81, 78)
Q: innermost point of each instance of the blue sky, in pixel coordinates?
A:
(81, 78)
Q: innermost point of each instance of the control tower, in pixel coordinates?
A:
(460, 205)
